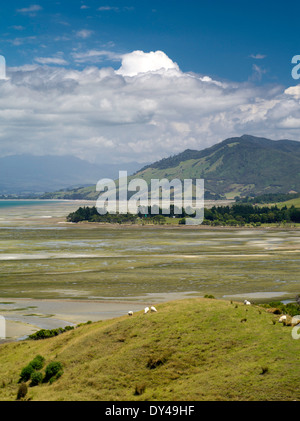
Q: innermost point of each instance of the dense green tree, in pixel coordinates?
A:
(238, 214)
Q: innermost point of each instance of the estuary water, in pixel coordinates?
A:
(13, 203)
(54, 273)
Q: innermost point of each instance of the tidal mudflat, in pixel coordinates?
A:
(71, 273)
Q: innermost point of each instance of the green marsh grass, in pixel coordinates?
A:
(104, 261)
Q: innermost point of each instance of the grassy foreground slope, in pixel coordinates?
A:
(193, 349)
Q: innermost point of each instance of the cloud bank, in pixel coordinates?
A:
(145, 110)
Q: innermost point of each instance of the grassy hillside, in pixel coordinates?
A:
(86, 193)
(289, 203)
(194, 349)
(239, 166)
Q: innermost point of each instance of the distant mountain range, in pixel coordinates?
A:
(239, 166)
(28, 174)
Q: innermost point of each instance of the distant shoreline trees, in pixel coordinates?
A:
(238, 214)
(91, 214)
(241, 214)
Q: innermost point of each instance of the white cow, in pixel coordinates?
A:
(247, 303)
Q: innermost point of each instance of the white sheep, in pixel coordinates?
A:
(282, 319)
(146, 310)
(247, 303)
(130, 313)
(153, 309)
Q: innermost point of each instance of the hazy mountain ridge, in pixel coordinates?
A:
(238, 166)
(21, 174)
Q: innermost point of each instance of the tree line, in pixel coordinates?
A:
(92, 215)
(237, 214)
(241, 214)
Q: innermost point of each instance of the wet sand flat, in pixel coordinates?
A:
(53, 273)
(15, 331)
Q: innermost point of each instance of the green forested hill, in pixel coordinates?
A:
(239, 166)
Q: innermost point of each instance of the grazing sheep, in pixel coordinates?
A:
(282, 319)
(146, 310)
(130, 313)
(153, 309)
(247, 303)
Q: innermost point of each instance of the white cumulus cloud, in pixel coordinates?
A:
(146, 110)
(140, 62)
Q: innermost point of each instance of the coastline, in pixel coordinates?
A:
(24, 316)
(31, 314)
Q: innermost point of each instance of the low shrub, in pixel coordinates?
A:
(68, 328)
(26, 373)
(53, 371)
(22, 391)
(292, 309)
(36, 364)
(36, 378)
(49, 333)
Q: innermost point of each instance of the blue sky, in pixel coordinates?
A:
(231, 64)
(220, 38)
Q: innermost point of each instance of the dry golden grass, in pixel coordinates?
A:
(194, 349)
